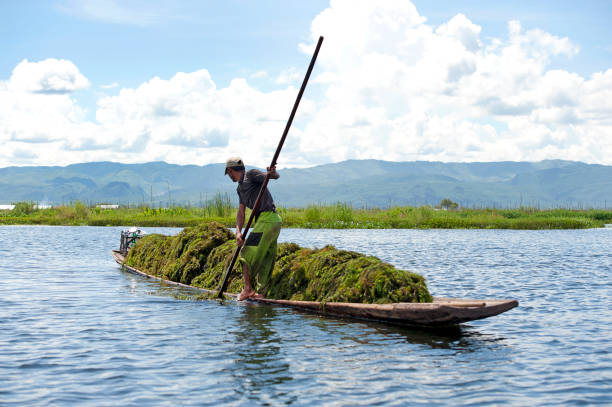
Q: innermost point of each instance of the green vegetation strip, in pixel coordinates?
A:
(338, 216)
(199, 255)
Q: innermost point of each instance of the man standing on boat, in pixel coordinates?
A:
(259, 251)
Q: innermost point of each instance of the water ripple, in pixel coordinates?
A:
(76, 330)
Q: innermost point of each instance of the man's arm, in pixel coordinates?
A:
(239, 225)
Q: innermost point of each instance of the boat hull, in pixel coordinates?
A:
(439, 313)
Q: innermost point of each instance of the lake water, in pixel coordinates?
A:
(75, 330)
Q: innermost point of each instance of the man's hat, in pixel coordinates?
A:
(233, 162)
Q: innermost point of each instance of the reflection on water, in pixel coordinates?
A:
(435, 337)
(259, 367)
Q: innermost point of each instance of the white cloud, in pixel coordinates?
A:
(387, 85)
(444, 93)
(110, 85)
(48, 76)
(184, 119)
(289, 76)
(37, 112)
(462, 29)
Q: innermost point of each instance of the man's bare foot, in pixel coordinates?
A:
(245, 294)
(249, 294)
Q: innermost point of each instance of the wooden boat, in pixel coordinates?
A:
(441, 312)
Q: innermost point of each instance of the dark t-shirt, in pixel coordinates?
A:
(248, 189)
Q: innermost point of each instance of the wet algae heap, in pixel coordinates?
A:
(199, 255)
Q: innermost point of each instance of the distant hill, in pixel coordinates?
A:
(361, 183)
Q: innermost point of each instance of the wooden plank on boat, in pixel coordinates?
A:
(440, 312)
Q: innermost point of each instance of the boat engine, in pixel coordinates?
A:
(128, 238)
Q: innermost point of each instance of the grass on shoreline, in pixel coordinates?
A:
(339, 216)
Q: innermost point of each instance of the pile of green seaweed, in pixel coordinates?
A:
(199, 256)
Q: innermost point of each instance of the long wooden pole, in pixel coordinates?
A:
(223, 286)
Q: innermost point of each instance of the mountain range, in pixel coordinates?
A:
(360, 183)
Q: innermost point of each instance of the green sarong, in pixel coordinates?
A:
(259, 250)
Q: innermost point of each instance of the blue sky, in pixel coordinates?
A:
(229, 38)
(109, 53)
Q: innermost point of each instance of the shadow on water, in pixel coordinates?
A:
(463, 338)
(259, 363)
(459, 337)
